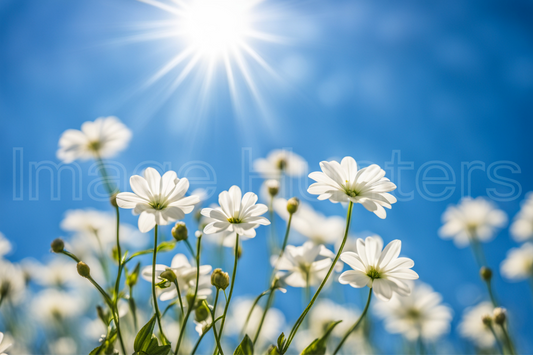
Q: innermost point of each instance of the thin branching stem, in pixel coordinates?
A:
(306, 310)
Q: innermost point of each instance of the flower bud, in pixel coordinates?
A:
(485, 273)
(101, 313)
(189, 297)
(201, 312)
(499, 314)
(272, 186)
(220, 279)
(487, 320)
(292, 205)
(179, 232)
(57, 245)
(113, 200)
(83, 269)
(169, 275)
(239, 252)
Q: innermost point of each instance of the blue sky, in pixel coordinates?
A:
(446, 81)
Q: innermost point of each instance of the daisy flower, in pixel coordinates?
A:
(226, 238)
(381, 270)
(471, 218)
(312, 224)
(305, 264)
(473, 328)
(421, 314)
(3, 347)
(522, 227)
(103, 138)
(280, 162)
(5, 245)
(12, 282)
(157, 200)
(272, 326)
(237, 213)
(52, 305)
(519, 263)
(345, 183)
(185, 276)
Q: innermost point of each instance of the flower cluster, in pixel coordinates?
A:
(105, 292)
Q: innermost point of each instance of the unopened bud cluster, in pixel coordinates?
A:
(179, 231)
(220, 279)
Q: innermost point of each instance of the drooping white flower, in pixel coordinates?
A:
(103, 138)
(237, 213)
(273, 325)
(382, 270)
(186, 277)
(344, 182)
(519, 263)
(420, 314)
(280, 162)
(52, 305)
(311, 223)
(472, 218)
(473, 328)
(5, 245)
(157, 200)
(3, 346)
(522, 227)
(305, 264)
(12, 282)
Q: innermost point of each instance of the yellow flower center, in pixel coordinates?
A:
(234, 220)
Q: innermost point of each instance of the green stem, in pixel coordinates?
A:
(114, 311)
(272, 239)
(231, 287)
(269, 302)
(252, 309)
(191, 304)
(154, 296)
(286, 238)
(213, 312)
(133, 308)
(481, 260)
(500, 347)
(356, 324)
(212, 325)
(306, 310)
(508, 339)
(189, 246)
(421, 347)
(179, 295)
(70, 255)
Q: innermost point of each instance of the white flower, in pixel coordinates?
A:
(158, 200)
(273, 325)
(471, 218)
(280, 162)
(312, 224)
(226, 237)
(522, 227)
(87, 221)
(5, 245)
(59, 272)
(63, 346)
(236, 215)
(52, 305)
(473, 328)
(343, 182)
(3, 347)
(103, 138)
(326, 311)
(186, 277)
(382, 270)
(519, 263)
(303, 264)
(12, 282)
(419, 314)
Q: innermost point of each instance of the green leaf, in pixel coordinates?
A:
(162, 247)
(131, 278)
(246, 347)
(318, 346)
(155, 349)
(281, 341)
(143, 338)
(272, 350)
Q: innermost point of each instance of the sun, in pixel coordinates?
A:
(213, 35)
(214, 27)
